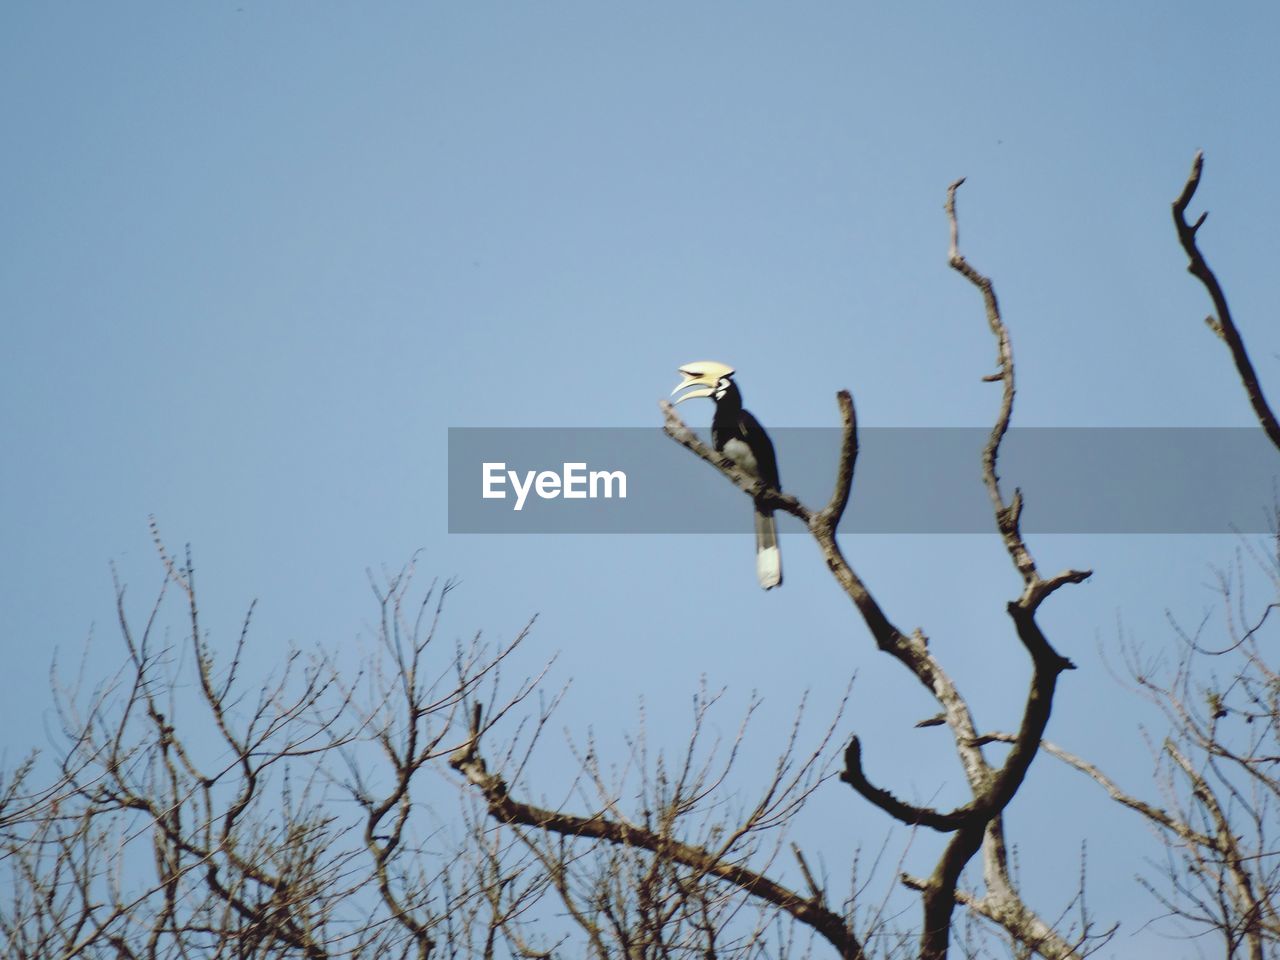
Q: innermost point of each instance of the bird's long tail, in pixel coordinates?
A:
(768, 558)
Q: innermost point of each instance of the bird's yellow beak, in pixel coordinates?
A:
(703, 374)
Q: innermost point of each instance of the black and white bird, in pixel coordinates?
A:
(739, 436)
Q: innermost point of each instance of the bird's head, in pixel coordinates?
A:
(710, 378)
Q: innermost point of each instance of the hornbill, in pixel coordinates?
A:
(739, 436)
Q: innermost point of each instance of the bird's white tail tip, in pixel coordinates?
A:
(769, 567)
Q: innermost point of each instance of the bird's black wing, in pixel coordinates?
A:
(750, 431)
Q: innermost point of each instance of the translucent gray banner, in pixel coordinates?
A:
(908, 480)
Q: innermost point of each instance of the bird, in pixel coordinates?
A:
(736, 434)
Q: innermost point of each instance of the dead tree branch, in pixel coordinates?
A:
(1222, 323)
(191, 812)
(614, 829)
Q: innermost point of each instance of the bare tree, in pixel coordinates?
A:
(214, 825)
(293, 817)
(1218, 767)
(712, 867)
(682, 875)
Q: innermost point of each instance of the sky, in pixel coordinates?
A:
(257, 257)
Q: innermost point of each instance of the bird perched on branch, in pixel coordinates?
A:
(736, 434)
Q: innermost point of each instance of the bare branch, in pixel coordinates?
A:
(898, 809)
(834, 511)
(469, 762)
(193, 826)
(1222, 324)
(678, 431)
(1008, 514)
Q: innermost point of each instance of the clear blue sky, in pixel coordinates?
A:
(257, 257)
